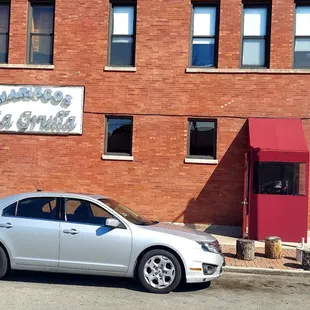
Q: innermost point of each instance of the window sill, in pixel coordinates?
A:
(121, 69)
(117, 157)
(247, 71)
(27, 66)
(201, 161)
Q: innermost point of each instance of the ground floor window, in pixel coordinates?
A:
(202, 138)
(279, 178)
(118, 135)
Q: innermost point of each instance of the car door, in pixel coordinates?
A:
(30, 230)
(86, 243)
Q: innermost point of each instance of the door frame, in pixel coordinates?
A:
(246, 193)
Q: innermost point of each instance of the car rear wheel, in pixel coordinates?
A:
(4, 264)
(159, 271)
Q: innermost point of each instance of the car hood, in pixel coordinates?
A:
(181, 231)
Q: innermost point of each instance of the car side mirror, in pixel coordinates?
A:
(112, 222)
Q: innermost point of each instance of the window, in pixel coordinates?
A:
(38, 208)
(85, 212)
(122, 35)
(4, 31)
(255, 39)
(202, 138)
(41, 32)
(279, 178)
(204, 36)
(127, 213)
(118, 137)
(10, 210)
(302, 36)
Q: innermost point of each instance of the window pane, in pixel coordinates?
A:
(302, 53)
(42, 19)
(3, 48)
(279, 178)
(84, 212)
(302, 178)
(41, 49)
(203, 52)
(303, 21)
(35, 208)
(202, 138)
(123, 19)
(119, 135)
(49, 206)
(253, 52)
(255, 20)
(122, 51)
(10, 210)
(204, 21)
(4, 18)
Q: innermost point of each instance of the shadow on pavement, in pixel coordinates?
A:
(89, 280)
(231, 255)
(257, 254)
(73, 279)
(293, 265)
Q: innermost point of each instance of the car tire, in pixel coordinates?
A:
(159, 271)
(4, 263)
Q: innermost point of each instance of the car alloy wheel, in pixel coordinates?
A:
(159, 271)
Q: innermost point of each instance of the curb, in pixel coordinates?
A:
(266, 271)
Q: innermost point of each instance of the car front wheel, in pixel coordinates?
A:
(159, 271)
(4, 263)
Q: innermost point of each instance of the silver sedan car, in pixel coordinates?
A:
(92, 234)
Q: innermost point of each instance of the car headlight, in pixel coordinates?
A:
(210, 246)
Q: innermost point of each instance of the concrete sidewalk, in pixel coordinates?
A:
(287, 265)
(227, 236)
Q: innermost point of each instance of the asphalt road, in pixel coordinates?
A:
(23, 290)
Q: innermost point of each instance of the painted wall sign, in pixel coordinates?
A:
(41, 109)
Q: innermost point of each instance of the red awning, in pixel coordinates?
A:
(280, 136)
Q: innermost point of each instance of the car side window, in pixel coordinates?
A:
(85, 212)
(42, 208)
(10, 210)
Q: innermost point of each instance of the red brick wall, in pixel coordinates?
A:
(160, 96)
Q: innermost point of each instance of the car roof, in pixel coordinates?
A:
(5, 201)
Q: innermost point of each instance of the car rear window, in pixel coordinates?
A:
(9, 210)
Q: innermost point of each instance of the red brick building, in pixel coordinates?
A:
(177, 79)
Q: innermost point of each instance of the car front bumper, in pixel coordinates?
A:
(194, 269)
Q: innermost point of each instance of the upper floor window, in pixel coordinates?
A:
(118, 137)
(202, 138)
(204, 39)
(122, 35)
(4, 31)
(302, 36)
(41, 32)
(255, 36)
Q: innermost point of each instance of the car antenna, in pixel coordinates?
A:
(38, 189)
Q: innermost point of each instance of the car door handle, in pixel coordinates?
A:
(6, 225)
(71, 231)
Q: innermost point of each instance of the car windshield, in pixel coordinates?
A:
(127, 213)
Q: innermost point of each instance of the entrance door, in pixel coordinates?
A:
(86, 243)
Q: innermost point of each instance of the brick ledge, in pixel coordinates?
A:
(26, 66)
(120, 69)
(117, 157)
